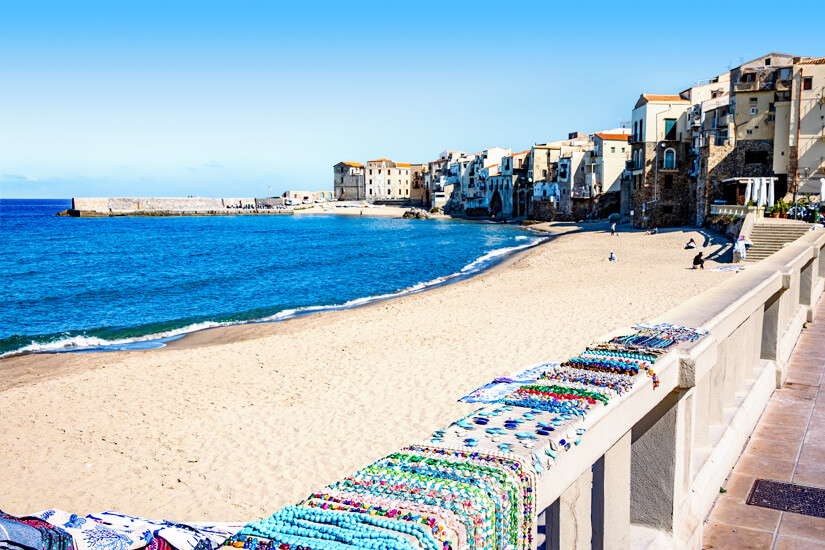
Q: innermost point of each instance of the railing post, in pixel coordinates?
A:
(611, 497)
(661, 470)
(568, 520)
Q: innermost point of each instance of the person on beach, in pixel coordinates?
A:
(698, 261)
(613, 229)
(691, 244)
(652, 231)
(612, 257)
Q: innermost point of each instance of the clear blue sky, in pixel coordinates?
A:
(123, 98)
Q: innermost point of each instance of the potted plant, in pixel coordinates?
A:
(774, 211)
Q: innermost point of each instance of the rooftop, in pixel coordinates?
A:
(379, 160)
(614, 137)
(660, 98)
(355, 164)
(812, 61)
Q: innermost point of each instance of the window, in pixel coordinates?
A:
(612, 149)
(622, 149)
(771, 118)
(767, 61)
(370, 172)
(669, 181)
(754, 110)
(670, 159)
(808, 83)
(670, 128)
(753, 100)
(370, 182)
(544, 173)
(750, 132)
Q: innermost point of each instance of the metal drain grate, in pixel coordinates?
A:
(788, 497)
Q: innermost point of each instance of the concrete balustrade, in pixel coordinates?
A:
(650, 466)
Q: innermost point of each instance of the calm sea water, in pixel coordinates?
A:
(69, 283)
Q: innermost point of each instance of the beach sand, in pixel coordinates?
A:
(232, 423)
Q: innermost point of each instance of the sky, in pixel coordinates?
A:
(242, 98)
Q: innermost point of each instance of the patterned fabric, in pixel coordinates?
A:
(178, 535)
(53, 538)
(89, 534)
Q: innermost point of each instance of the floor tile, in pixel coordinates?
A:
(803, 527)
(770, 468)
(779, 433)
(810, 473)
(727, 537)
(787, 420)
(783, 450)
(739, 485)
(733, 511)
(791, 543)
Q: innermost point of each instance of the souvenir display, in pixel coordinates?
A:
(471, 485)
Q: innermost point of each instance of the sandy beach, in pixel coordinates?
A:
(232, 423)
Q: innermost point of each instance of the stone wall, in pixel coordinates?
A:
(122, 205)
(663, 198)
(717, 163)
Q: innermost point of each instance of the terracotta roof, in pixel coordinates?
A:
(380, 160)
(355, 164)
(437, 161)
(615, 137)
(672, 98)
(817, 61)
(521, 153)
(403, 164)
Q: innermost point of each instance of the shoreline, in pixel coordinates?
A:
(164, 339)
(239, 421)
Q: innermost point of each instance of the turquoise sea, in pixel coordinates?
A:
(126, 283)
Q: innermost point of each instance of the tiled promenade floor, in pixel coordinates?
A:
(788, 445)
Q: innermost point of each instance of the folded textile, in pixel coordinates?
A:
(89, 534)
(19, 534)
(181, 536)
(52, 538)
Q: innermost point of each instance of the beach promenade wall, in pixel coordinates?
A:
(650, 468)
(124, 205)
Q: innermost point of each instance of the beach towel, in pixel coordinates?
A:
(89, 534)
(181, 536)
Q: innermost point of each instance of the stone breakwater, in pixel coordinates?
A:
(192, 206)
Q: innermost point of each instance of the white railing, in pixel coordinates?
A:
(665, 452)
(733, 210)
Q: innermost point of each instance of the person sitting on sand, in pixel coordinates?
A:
(652, 231)
(698, 261)
(691, 244)
(612, 257)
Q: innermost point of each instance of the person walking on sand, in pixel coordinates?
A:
(698, 261)
(613, 229)
(612, 257)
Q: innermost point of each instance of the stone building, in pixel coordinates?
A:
(348, 181)
(660, 189)
(419, 194)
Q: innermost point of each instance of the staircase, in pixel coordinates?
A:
(770, 234)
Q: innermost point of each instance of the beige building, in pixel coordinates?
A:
(387, 179)
(605, 165)
(806, 148)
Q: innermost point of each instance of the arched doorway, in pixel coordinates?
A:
(495, 205)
